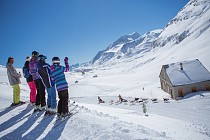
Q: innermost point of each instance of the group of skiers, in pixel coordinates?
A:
(42, 77)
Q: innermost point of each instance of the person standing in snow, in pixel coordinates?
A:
(144, 108)
(33, 70)
(45, 75)
(57, 73)
(30, 81)
(14, 80)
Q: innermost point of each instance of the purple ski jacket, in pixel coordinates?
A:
(33, 68)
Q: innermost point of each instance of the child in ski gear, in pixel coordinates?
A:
(33, 70)
(100, 100)
(121, 99)
(57, 73)
(30, 81)
(45, 76)
(14, 80)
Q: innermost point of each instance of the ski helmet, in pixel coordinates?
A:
(56, 60)
(42, 57)
(35, 53)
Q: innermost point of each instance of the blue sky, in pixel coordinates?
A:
(76, 28)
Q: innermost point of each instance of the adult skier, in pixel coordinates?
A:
(14, 80)
(45, 75)
(30, 81)
(33, 70)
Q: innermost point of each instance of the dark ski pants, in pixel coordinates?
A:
(40, 95)
(63, 101)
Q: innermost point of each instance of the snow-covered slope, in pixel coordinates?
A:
(126, 46)
(192, 21)
(1, 66)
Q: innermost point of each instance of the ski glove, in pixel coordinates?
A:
(66, 59)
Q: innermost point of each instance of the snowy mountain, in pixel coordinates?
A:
(132, 70)
(127, 46)
(74, 66)
(184, 37)
(193, 20)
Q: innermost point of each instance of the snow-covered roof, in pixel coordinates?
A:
(193, 72)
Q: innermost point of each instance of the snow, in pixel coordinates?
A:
(183, 119)
(115, 49)
(1, 66)
(136, 76)
(193, 72)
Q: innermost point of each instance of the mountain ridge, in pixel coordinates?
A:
(126, 46)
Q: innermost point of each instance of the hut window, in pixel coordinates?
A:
(193, 89)
(207, 88)
(170, 91)
(172, 95)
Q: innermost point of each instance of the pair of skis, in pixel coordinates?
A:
(48, 113)
(13, 106)
(71, 113)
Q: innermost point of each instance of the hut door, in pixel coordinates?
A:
(180, 92)
(171, 93)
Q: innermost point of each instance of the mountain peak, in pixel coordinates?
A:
(127, 46)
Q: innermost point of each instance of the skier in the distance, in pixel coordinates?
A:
(57, 73)
(144, 108)
(30, 81)
(14, 80)
(33, 70)
(45, 75)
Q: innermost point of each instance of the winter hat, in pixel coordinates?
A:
(56, 60)
(28, 58)
(42, 57)
(35, 53)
